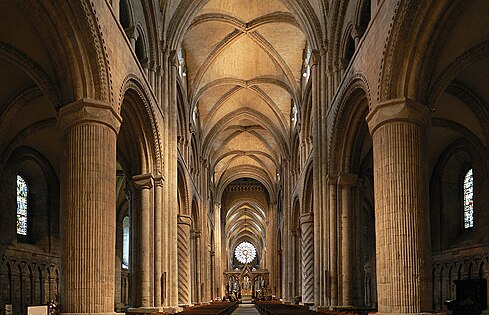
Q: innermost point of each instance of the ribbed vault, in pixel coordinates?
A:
(243, 65)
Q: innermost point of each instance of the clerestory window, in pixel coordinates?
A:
(22, 210)
(468, 205)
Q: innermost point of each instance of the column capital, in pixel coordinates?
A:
(323, 50)
(88, 110)
(143, 181)
(345, 179)
(315, 58)
(306, 218)
(331, 179)
(398, 110)
(184, 219)
(173, 58)
(195, 234)
(159, 180)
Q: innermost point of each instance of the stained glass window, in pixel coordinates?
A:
(469, 199)
(22, 191)
(125, 243)
(245, 252)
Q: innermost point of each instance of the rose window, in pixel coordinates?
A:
(245, 252)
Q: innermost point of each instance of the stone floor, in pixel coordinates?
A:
(246, 309)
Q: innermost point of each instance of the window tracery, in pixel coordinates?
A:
(245, 252)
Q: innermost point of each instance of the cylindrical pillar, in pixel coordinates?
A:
(144, 183)
(184, 285)
(218, 251)
(346, 182)
(307, 236)
(399, 133)
(88, 193)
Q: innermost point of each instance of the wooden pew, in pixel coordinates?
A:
(276, 308)
(215, 308)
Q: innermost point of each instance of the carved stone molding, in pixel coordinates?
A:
(88, 110)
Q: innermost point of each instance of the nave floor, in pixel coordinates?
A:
(246, 309)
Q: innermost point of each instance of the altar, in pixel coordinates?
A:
(247, 283)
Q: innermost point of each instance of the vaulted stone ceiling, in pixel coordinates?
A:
(244, 67)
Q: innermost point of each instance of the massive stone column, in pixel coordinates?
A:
(346, 182)
(399, 132)
(143, 184)
(184, 285)
(88, 132)
(307, 236)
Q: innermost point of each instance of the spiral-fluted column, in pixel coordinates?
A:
(399, 133)
(307, 237)
(183, 244)
(88, 131)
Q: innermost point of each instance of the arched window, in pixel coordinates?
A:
(124, 18)
(469, 199)
(125, 243)
(140, 50)
(22, 194)
(365, 14)
(350, 49)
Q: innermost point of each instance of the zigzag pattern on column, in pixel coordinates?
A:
(307, 232)
(183, 245)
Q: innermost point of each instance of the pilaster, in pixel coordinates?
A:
(333, 241)
(158, 240)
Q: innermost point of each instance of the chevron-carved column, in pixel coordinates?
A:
(184, 223)
(399, 132)
(307, 235)
(89, 129)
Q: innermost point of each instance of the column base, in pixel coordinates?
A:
(308, 304)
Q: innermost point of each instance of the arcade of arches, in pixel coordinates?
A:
(156, 154)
